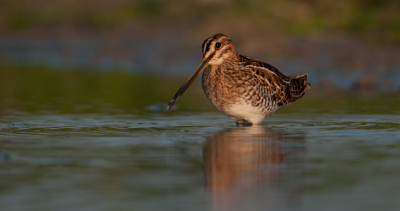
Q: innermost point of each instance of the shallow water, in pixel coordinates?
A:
(85, 141)
(199, 162)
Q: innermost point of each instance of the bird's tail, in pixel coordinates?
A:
(297, 87)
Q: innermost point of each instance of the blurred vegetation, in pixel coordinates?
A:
(378, 19)
(41, 89)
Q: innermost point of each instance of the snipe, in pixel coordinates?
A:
(245, 89)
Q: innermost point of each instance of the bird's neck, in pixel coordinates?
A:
(230, 63)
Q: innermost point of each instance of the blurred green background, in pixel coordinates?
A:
(374, 20)
(68, 55)
(84, 85)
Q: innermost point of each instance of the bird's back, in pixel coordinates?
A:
(281, 89)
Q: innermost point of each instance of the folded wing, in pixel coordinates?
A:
(282, 89)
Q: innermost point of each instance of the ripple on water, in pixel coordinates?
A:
(200, 160)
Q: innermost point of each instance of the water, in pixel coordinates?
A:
(200, 162)
(106, 146)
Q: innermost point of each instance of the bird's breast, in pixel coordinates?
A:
(219, 88)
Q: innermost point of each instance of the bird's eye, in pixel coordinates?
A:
(218, 44)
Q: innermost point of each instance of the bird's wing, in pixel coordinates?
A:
(282, 89)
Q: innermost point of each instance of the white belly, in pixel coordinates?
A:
(241, 112)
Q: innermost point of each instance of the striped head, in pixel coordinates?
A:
(217, 48)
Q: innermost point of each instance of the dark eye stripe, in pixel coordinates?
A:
(206, 44)
(212, 55)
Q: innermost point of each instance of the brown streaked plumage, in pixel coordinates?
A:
(245, 89)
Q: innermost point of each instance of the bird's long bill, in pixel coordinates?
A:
(199, 69)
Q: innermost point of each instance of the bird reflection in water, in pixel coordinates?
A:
(243, 161)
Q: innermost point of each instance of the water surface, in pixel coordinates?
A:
(100, 142)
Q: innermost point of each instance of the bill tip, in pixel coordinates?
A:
(170, 104)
